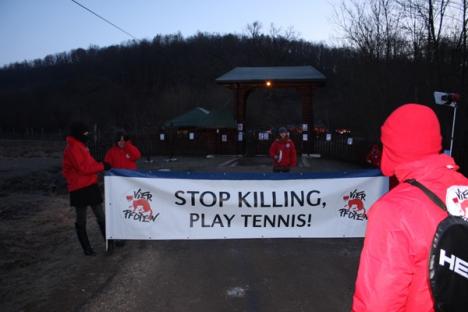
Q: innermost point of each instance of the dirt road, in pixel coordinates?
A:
(42, 267)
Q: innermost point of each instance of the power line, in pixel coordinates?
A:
(107, 21)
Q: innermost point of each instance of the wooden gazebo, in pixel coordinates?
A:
(243, 80)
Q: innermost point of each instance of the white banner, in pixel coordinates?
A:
(226, 206)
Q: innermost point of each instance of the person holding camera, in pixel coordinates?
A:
(123, 154)
(80, 170)
(393, 272)
(283, 152)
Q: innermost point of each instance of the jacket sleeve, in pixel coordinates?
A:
(133, 151)
(293, 155)
(385, 268)
(84, 162)
(273, 150)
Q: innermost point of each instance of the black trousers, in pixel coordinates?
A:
(82, 214)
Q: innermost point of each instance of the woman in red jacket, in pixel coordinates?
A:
(123, 154)
(394, 270)
(283, 152)
(80, 171)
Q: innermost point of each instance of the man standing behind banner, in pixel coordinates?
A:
(283, 152)
(394, 266)
(80, 170)
(123, 154)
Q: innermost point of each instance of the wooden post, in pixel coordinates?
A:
(307, 119)
(241, 93)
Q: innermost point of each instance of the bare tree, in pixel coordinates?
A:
(371, 26)
(460, 17)
(254, 29)
(427, 19)
(274, 31)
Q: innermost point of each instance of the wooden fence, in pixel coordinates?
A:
(200, 143)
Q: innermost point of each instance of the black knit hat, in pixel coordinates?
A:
(78, 129)
(282, 130)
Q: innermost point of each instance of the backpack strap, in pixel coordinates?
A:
(429, 193)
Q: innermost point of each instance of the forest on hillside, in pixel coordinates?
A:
(392, 52)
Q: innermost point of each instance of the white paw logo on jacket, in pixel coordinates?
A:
(457, 200)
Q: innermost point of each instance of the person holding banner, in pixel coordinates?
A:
(80, 170)
(123, 154)
(283, 152)
(393, 271)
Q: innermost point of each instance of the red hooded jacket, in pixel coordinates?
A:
(394, 266)
(79, 167)
(283, 153)
(123, 158)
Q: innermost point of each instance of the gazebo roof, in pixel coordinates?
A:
(283, 74)
(202, 118)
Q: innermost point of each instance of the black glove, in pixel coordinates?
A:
(107, 166)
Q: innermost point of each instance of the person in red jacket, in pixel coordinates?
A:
(283, 152)
(374, 156)
(80, 171)
(393, 271)
(123, 154)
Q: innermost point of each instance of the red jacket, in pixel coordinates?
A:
(393, 270)
(123, 158)
(79, 167)
(374, 156)
(283, 153)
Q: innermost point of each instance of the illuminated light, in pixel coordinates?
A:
(268, 83)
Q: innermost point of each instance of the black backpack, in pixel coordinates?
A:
(448, 263)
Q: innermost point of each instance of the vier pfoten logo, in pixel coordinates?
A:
(354, 206)
(139, 207)
(457, 200)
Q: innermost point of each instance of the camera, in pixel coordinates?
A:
(445, 98)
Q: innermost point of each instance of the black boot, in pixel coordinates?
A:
(84, 241)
